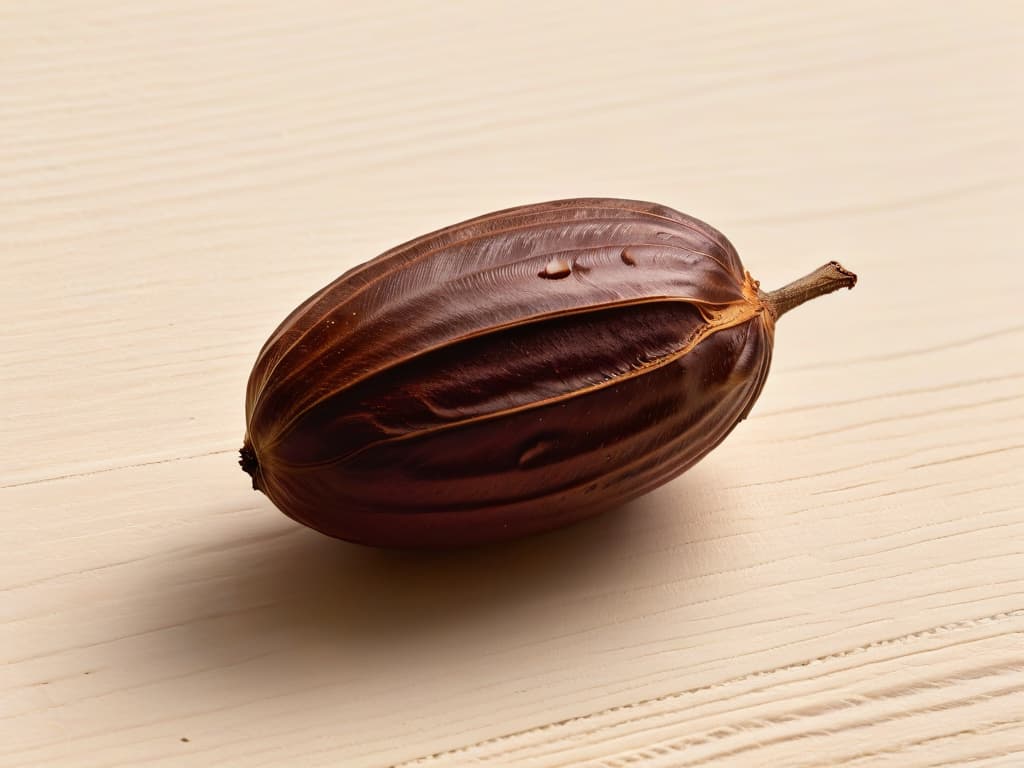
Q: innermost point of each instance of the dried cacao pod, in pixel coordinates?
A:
(511, 374)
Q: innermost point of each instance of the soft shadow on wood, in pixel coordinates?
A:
(300, 599)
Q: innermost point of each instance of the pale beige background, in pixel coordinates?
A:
(841, 583)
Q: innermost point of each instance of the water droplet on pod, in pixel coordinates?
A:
(556, 269)
(534, 452)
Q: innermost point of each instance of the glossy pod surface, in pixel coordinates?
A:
(507, 375)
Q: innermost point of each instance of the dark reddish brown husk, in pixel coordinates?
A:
(511, 374)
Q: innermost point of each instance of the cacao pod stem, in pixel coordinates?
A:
(825, 279)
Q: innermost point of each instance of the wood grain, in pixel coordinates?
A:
(840, 583)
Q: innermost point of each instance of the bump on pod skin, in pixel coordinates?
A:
(511, 374)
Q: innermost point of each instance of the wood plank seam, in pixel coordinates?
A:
(641, 704)
(104, 470)
(871, 720)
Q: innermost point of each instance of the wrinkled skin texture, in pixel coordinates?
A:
(507, 375)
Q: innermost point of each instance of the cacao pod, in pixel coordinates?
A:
(511, 374)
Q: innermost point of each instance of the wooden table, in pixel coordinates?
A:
(840, 583)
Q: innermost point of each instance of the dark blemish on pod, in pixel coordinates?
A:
(627, 258)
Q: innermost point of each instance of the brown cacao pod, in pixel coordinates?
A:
(511, 374)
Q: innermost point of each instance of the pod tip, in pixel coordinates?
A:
(248, 462)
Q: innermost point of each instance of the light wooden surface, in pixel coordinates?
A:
(840, 583)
